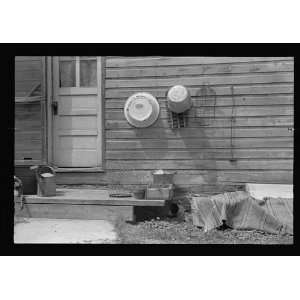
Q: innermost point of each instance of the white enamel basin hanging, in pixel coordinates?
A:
(141, 110)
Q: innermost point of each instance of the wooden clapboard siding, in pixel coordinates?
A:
(181, 179)
(199, 112)
(221, 101)
(257, 121)
(182, 133)
(213, 69)
(205, 143)
(260, 141)
(28, 73)
(280, 77)
(29, 122)
(203, 154)
(257, 89)
(183, 61)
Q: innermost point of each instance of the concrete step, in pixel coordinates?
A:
(81, 204)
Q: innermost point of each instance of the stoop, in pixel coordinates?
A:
(81, 204)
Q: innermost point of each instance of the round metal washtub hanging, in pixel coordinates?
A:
(141, 110)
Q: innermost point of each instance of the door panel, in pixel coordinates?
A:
(80, 158)
(77, 126)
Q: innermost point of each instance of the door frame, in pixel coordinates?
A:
(50, 74)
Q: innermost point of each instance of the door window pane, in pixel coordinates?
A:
(88, 73)
(67, 73)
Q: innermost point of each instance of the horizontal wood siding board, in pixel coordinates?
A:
(224, 90)
(192, 143)
(170, 61)
(263, 164)
(225, 69)
(284, 77)
(203, 154)
(219, 101)
(25, 66)
(28, 73)
(152, 133)
(27, 132)
(261, 121)
(183, 177)
(24, 109)
(33, 154)
(217, 112)
(27, 58)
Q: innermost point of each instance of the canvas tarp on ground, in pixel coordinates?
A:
(241, 211)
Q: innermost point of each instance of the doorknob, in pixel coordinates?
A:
(55, 107)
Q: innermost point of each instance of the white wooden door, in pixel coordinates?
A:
(77, 112)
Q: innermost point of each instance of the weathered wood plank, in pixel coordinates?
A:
(28, 136)
(246, 89)
(273, 66)
(90, 197)
(188, 60)
(24, 87)
(200, 143)
(31, 110)
(27, 125)
(227, 111)
(155, 133)
(183, 191)
(284, 77)
(219, 101)
(27, 58)
(28, 141)
(33, 154)
(208, 122)
(279, 164)
(30, 74)
(284, 153)
(65, 211)
(183, 177)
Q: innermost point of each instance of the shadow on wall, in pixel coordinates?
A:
(200, 150)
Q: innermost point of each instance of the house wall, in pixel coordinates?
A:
(29, 122)
(249, 120)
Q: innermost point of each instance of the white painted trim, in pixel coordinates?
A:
(77, 72)
(55, 91)
(100, 114)
(78, 170)
(49, 109)
(78, 91)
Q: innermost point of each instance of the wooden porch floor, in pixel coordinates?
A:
(89, 204)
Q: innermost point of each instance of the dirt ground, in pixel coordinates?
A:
(178, 231)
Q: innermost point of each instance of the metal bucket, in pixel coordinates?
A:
(45, 177)
(179, 99)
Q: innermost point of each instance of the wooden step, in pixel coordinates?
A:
(88, 196)
(73, 211)
(81, 204)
